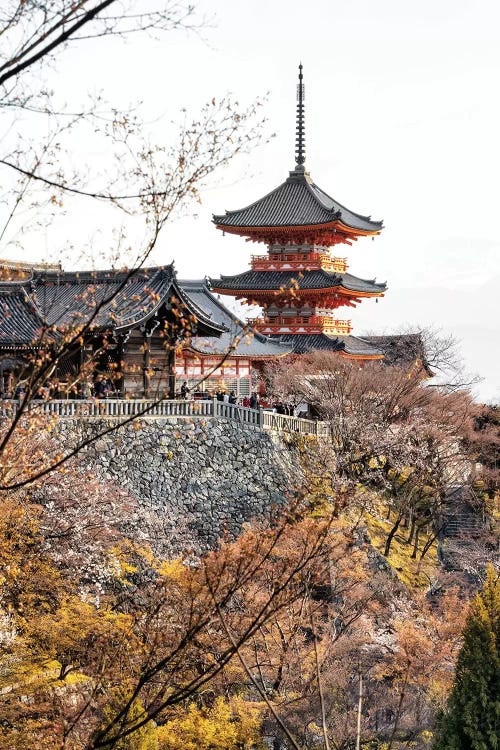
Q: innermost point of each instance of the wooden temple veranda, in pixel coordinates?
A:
(123, 410)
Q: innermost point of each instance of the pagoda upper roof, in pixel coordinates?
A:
(307, 280)
(239, 339)
(297, 202)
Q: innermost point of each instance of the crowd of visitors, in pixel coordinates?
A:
(249, 402)
(100, 388)
(222, 395)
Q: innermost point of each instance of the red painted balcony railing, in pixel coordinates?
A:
(299, 261)
(320, 322)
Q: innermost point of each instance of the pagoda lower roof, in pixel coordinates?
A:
(239, 339)
(307, 280)
(350, 345)
(297, 202)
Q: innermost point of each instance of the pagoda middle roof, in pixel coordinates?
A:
(310, 280)
(239, 339)
(297, 202)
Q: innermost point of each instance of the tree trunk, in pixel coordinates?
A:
(391, 535)
(426, 548)
(360, 706)
(415, 543)
(412, 531)
(398, 712)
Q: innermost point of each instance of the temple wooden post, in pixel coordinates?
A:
(171, 370)
(87, 367)
(120, 377)
(146, 363)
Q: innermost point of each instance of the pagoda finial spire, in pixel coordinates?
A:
(300, 135)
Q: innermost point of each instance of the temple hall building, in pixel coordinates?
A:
(142, 330)
(232, 361)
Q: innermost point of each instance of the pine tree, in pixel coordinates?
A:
(472, 718)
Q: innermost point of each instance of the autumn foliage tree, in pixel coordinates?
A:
(105, 644)
(81, 654)
(388, 432)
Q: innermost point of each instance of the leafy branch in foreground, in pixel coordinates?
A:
(35, 33)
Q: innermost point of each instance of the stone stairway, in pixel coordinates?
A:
(462, 526)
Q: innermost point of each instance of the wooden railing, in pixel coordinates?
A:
(298, 261)
(321, 322)
(284, 423)
(124, 408)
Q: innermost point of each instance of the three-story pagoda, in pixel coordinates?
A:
(298, 283)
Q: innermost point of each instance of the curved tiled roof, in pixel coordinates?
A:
(296, 202)
(118, 299)
(20, 322)
(402, 350)
(303, 343)
(247, 342)
(105, 300)
(68, 299)
(315, 279)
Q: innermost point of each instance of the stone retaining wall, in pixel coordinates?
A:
(192, 480)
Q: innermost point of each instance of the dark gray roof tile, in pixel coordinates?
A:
(105, 300)
(296, 202)
(303, 343)
(117, 299)
(318, 279)
(20, 322)
(247, 342)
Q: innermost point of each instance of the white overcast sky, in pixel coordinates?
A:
(402, 123)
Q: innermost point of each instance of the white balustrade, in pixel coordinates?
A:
(126, 408)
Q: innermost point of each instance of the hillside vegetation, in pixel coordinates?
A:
(339, 624)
